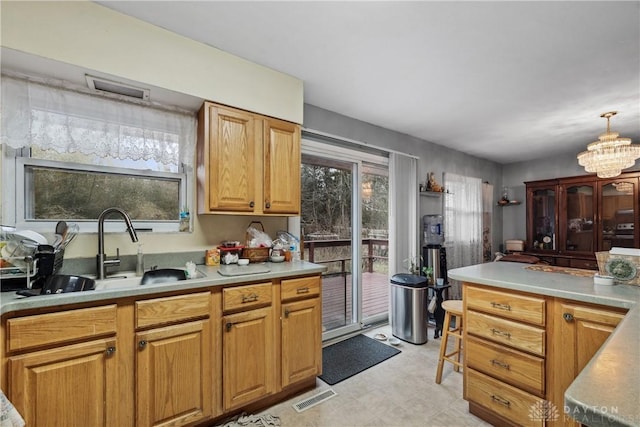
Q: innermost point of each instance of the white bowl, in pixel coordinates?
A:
(243, 261)
(603, 280)
(394, 341)
(278, 258)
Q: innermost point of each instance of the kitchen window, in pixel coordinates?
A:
(68, 154)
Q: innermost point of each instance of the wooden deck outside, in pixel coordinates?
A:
(337, 303)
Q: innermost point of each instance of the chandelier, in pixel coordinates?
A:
(610, 154)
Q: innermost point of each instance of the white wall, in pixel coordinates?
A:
(90, 36)
(94, 37)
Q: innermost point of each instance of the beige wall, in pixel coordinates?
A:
(91, 36)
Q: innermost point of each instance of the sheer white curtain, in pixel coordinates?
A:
(487, 218)
(68, 121)
(463, 223)
(403, 211)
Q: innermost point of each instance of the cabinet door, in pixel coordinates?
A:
(579, 332)
(301, 340)
(74, 385)
(618, 205)
(232, 160)
(542, 220)
(577, 218)
(174, 374)
(248, 359)
(281, 167)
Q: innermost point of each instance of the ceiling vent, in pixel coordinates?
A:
(108, 86)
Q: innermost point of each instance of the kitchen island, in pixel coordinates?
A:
(605, 392)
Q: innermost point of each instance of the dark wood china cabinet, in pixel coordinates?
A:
(569, 219)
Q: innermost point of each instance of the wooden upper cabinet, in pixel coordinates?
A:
(247, 163)
(281, 167)
(619, 225)
(542, 215)
(577, 215)
(232, 159)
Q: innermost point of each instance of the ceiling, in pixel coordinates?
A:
(506, 81)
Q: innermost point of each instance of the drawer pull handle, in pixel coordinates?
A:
(500, 400)
(303, 290)
(506, 307)
(500, 364)
(249, 298)
(110, 351)
(142, 344)
(501, 333)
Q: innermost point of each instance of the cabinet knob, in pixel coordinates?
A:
(251, 204)
(110, 350)
(267, 204)
(568, 317)
(142, 344)
(286, 312)
(228, 326)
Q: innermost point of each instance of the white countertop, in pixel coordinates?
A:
(10, 302)
(607, 391)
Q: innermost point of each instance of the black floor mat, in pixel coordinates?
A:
(352, 356)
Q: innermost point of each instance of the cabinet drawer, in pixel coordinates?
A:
(588, 264)
(304, 287)
(159, 311)
(518, 307)
(53, 328)
(245, 297)
(517, 335)
(514, 367)
(508, 401)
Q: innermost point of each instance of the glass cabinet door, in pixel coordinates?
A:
(578, 217)
(542, 211)
(618, 214)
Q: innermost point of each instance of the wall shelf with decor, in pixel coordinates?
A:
(433, 193)
(502, 204)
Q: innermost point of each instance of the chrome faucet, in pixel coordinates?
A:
(102, 261)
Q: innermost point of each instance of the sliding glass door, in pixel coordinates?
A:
(344, 225)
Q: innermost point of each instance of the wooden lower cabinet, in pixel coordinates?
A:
(168, 360)
(174, 374)
(579, 331)
(71, 385)
(516, 372)
(507, 401)
(248, 359)
(301, 340)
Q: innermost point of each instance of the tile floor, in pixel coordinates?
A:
(400, 391)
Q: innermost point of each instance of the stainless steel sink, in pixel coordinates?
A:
(128, 279)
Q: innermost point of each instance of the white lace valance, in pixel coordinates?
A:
(67, 121)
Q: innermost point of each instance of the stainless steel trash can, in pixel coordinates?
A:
(409, 308)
